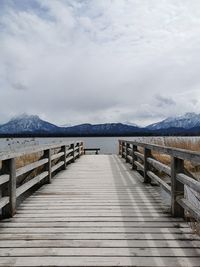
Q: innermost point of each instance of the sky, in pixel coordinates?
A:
(96, 61)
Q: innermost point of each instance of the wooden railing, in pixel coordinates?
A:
(51, 159)
(140, 155)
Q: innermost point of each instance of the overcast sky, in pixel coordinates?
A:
(77, 61)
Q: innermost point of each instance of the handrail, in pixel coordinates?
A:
(55, 157)
(148, 165)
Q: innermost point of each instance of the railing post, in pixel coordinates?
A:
(120, 148)
(64, 157)
(73, 153)
(47, 154)
(78, 144)
(79, 151)
(123, 144)
(127, 146)
(147, 153)
(177, 188)
(9, 167)
(82, 149)
(134, 158)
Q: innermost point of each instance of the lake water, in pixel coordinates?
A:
(108, 145)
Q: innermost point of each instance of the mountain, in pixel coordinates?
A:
(131, 124)
(187, 121)
(106, 129)
(27, 124)
(34, 126)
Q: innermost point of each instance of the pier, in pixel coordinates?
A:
(72, 209)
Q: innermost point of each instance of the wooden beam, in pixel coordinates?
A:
(147, 154)
(9, 167)
(177, 188)
(47, 155)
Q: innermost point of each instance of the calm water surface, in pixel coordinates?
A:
(108, 145)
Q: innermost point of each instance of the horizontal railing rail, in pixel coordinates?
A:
(51, 159)
(140, 156)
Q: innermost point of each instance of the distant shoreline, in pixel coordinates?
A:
(106, 135)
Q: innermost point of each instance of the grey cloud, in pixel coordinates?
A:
(163, 101)
(102, 60)
(19, 86)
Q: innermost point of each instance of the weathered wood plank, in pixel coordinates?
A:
(4, 178)
(98, 244)
(23, 188)
(57, 166)
(147, 224)
(99, 261)
(96, 229)
(92, 252)
(31, 166)
(160, 181)
(99, 236)
(159, 166)
(175, 152)
(4, 201)
(96, 213)
(188, 181)
(56, 156)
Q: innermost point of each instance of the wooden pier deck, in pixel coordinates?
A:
(96, 213)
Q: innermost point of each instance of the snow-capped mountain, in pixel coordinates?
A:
(27, 124)
(187, 121)
(31, 125)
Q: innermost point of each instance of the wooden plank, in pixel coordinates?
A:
(69, 158)
(86, 207)
(175, 152)
(9, 167)
(139, 165)
(147, 224)
(96, 229)
(194, 211)
(139, 155)
(57, 166)
(97, 219)
(100, 236)
(160, 181)
(77, 243)
(188, 181)
(69, 151)
(177, 188)
(31, 166)
(96, 213)
(30, 150)
(99, 261)
(23, 188)
(4, 178)
(4, 201)
(159, 166)
(56, 156)
(92, 252)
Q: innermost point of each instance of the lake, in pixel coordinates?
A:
(108, 145)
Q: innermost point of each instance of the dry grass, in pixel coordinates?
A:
(181, 143)
(27, 159)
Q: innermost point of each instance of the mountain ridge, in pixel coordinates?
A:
(186, 121)
(32, 125)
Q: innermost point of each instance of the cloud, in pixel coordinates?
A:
(164, 101)
(73, 61)
(19, 86)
